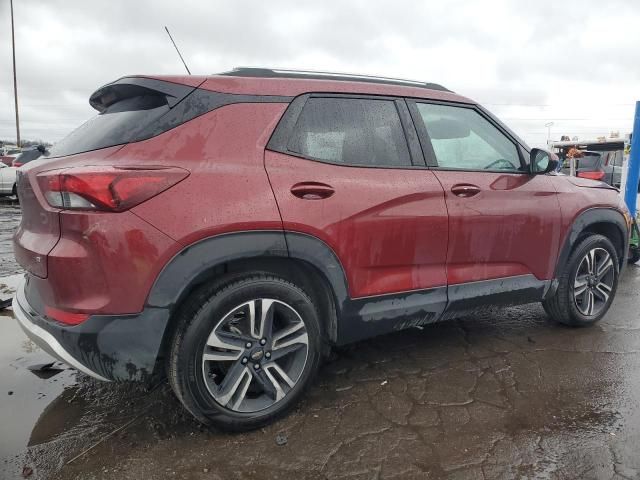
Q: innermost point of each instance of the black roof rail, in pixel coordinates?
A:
(260, 72)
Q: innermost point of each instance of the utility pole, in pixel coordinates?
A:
(15, 81)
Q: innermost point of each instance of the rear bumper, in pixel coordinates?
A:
(106, 347)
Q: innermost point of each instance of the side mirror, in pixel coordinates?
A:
(541, 161)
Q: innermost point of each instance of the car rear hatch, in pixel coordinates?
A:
(39, 229)
(130, 109)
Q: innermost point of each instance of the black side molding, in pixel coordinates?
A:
(469, 298)
(194, 261)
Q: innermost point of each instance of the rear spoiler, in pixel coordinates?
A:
(128, 87)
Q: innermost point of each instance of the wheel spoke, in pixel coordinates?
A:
(221, 356)
(580, 285)
(585, 301)
(238, 377)
(591, 261)
(242, 390)
(262, 328)
(590, 303)
(295, 334)
(226, 341)
(269, 370)
(603, 291)
(284, 351)
(605, 265)
(265, 382)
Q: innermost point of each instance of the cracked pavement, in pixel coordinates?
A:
(501, 394)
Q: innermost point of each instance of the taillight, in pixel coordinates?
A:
(17, 164)
(68, 318)
(113, 189)
(592, 175)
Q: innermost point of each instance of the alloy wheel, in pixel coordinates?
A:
(594, 281)
(255, 355)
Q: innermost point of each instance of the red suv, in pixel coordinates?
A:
(229, 229)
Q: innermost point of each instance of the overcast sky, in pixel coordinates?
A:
(575, 63)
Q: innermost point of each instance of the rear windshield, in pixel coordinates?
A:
(121, 122)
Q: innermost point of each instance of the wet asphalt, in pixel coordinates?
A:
(503, 394)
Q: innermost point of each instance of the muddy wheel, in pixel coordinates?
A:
(244, 351)
(587, 284)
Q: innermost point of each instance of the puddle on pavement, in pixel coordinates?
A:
(24, 395)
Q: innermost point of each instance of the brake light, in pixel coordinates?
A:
(68, 318)
(597, 175)
(17, 164)
(113, 189)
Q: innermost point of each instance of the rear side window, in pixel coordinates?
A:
(350, 131)
(121, 122)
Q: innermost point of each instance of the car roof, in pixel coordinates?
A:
(291, 83)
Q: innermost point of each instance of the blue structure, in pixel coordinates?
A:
(631, 187)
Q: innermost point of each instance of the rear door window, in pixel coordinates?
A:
(350, 131)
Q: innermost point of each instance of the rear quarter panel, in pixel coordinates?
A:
(227, 189)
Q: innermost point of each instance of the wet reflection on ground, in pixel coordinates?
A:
(504, 394)
(25, 395)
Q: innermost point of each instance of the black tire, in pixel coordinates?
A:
(562, 306)
(202, 314)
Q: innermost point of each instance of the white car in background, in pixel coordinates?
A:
(7, 180)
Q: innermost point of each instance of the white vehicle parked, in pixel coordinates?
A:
(7, 180)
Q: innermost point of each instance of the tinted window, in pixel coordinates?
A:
(122, 122)
(351, 131)
(464, 139)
